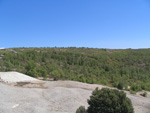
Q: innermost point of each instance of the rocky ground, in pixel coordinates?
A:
(53, 97)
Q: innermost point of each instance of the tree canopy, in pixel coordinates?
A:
(109, 101)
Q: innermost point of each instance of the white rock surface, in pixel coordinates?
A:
(54, 97)
(13, 77)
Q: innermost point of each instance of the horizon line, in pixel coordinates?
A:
(70, 47)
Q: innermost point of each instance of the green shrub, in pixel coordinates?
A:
(120, 86)
(144, 94)
(109, 101)
(81, 109)
(136, 88)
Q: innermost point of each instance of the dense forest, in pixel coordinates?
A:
(112, 67)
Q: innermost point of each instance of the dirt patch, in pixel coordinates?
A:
(22, 83)
(31, 85)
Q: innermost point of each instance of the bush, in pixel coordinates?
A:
(144, 94)
(109, 101)
(136, 88)
(120, 86)
(81, 109)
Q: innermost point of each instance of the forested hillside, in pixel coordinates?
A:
(101, 66)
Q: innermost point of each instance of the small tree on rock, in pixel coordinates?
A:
(81, 109)
(109, 101)
(120, 85)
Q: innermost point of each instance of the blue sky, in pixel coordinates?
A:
(75, 23)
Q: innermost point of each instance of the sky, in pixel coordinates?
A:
(114, 24)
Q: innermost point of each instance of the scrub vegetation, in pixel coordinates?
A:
(107, 101)
(126, 69)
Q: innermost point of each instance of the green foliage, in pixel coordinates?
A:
(81, 109)
(144, 94)
(30, 65)
(109, 101)
(120, 85)
(30, 69)
(57, 74)
(43, 72)
(118, 68)
(136, 88)
(32, 72)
